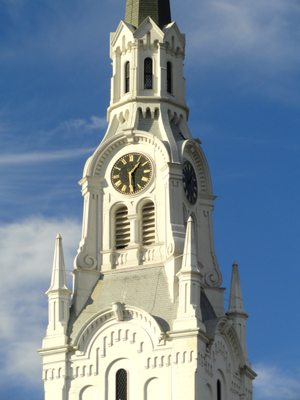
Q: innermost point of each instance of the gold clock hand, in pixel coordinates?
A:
(130, 181)
(134, 168)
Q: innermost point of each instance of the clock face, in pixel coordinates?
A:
(190, 182)
(131, 173)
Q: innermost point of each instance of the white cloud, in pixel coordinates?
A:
(27, 252)
(83, 125)
(274, 383)
(260, 33)
(252, 44)
(40, 157)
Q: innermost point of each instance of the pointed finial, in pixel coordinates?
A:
(236, 300)
(58, 280)
(138, 10)
(189, 261)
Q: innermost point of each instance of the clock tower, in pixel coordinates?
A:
(146, 317)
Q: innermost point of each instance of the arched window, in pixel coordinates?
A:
(219, 390)
(148, 224)
(169, 77)
(122, 228)
(127, 76)
(121, 385)
(148, 73)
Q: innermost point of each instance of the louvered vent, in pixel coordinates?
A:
(148, 221)
(122, 228)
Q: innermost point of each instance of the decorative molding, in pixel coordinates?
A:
(166, 360)
(98, 321)
(83, 260)
(120, 140)
(205, 362)
(118, 310)
(200, 165)
(212, 278)
(219, 348)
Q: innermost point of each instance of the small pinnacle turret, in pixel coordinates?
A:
(236, 311)
(138, 10)
(189, 309)
(58, 280)
(189, 261)
(58, 300)
(236, 305)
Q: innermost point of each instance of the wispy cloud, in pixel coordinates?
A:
(82, 126)
(27, 248)
(249, 32)
(274, 383)
(256, 43)
(41, 157)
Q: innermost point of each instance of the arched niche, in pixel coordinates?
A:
(152, 390)
(88, 393)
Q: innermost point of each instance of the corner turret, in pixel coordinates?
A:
(59, 299)
(236, 310)
(189, 311)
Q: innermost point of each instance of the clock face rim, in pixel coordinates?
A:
(188, 195)
(136, 191)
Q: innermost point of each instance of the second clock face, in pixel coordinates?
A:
(190, 182)
(131, 173)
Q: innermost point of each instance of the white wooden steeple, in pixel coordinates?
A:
(147, 318)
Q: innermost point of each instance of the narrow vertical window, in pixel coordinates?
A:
(148, 73)
(122, 228)
(127, 77)
(169, 78)
(219, 390)
(121, 385)
(148, 223)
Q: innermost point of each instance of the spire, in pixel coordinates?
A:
(236, 310)
(58, 280)
(189, 308)
(189, 261)
(138, 10)
(58, 300)
(236, 305)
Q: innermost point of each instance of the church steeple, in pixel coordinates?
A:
(147, 317)
(138, 10)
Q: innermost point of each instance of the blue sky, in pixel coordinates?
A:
(243, 88)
